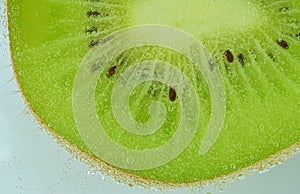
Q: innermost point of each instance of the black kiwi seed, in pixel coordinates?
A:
(271, 56)
(149, 92)
(106, 39)
(284, 9)
(92, 13)
(152, 92)
(94, 43)
(111, 71)
(283, 44)
(97, 42)
(298, 35)
(241, 58)
(172, 94)
(91, 29)
(229, 56)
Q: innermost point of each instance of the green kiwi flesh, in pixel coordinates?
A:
(255, 44)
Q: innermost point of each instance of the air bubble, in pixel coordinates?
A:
(264, 171)
(238, 145)
(129, 160)
(91, 172)
(232, 166)
(171, 108)
(138, 72)
(67, 84)
(262, 127)
(109, 45)
(148, 55)
(161, 55)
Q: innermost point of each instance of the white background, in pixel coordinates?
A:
(32, 162)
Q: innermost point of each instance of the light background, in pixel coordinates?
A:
(32, 162)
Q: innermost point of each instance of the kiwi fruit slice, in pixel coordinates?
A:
(255, 45)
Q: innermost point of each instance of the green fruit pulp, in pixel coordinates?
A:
(50, 38)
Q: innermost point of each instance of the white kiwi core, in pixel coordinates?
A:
(197, 16)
